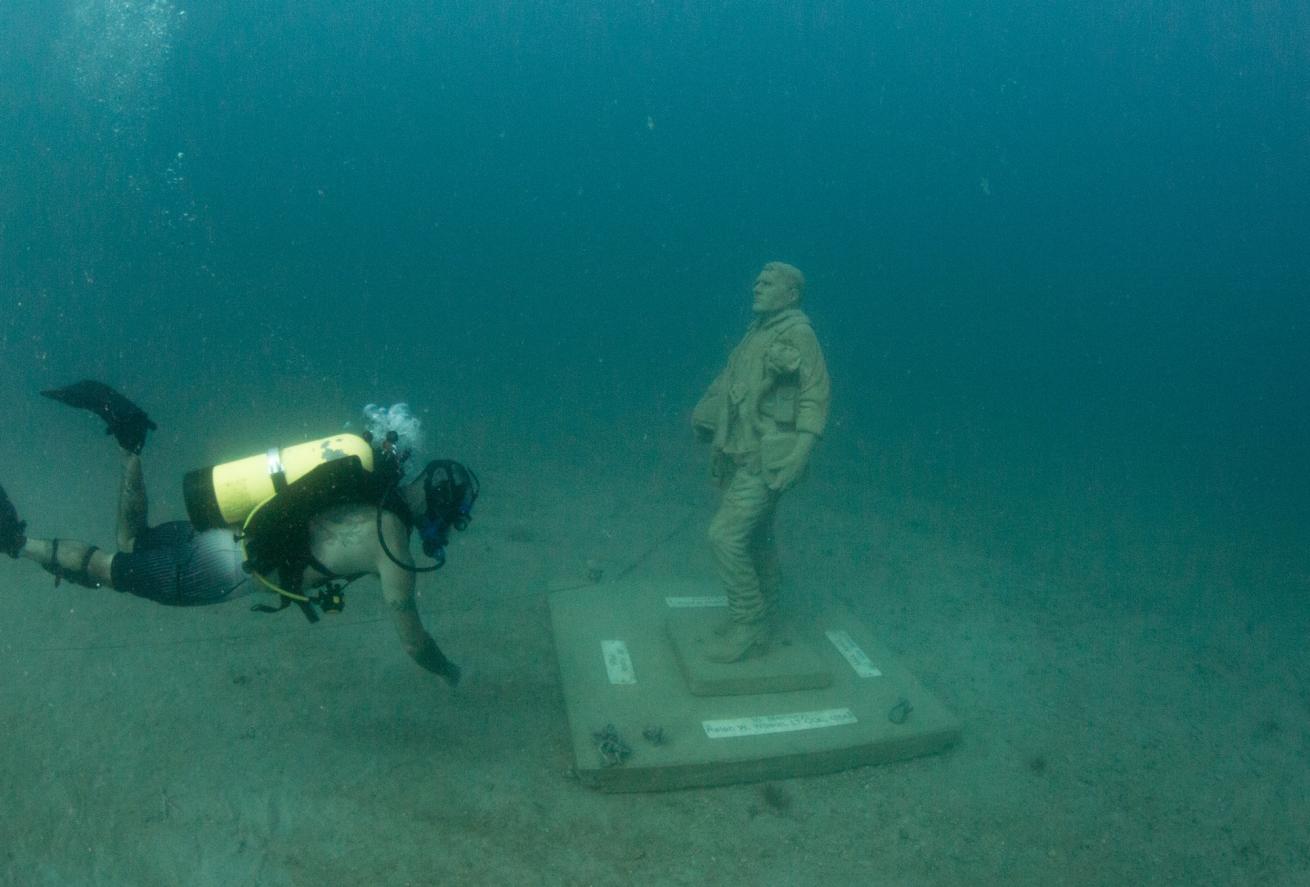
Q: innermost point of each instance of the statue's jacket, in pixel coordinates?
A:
(774, 385)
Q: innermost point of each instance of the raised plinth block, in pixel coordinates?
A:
(790, 663)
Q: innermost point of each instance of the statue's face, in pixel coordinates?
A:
(772, 293)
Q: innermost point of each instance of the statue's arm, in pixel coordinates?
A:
(815, 392)
(705, 416)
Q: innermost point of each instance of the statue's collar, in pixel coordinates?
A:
(785, 316)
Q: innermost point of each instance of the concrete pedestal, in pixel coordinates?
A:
(646, 713)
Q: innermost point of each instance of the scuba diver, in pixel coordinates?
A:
(337, 521)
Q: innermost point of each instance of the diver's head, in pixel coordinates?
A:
(441, 497)
(393, 430)
(396, 435)
(778, 286)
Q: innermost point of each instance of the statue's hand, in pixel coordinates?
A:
(789, 472)
(704, 433)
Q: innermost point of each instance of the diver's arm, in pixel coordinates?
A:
(398, 592)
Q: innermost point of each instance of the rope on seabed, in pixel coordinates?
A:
(659, 543)
(632, 565)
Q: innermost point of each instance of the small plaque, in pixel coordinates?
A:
(852, 653)
(618, 664)
(706, 600)
(732, 728)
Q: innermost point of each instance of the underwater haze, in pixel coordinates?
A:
(1056, 256)
(1083, 215)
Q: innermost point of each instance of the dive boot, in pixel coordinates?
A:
(123, 419)
(741, 641)
(12, 539)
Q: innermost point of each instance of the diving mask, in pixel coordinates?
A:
(450, 491)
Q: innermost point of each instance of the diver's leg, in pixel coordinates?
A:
(132, 505)
(79, 562)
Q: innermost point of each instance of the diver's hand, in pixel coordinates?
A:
(451, 674)
(429, 656)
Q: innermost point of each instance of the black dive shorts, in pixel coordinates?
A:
(174, 564)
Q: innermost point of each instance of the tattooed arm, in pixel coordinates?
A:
(398, 592)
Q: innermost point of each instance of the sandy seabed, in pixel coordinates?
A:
(1132, 683)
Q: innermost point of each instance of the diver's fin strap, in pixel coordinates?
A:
(81, 576)
(54, 568)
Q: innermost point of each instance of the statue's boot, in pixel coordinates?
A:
(724, 624)
(741, 641)
(764, 608)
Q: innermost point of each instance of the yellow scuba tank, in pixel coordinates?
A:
(224, 495)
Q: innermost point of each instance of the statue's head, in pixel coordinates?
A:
(778, 286)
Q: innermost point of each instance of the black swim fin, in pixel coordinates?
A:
(12, 539)
(124, 419)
